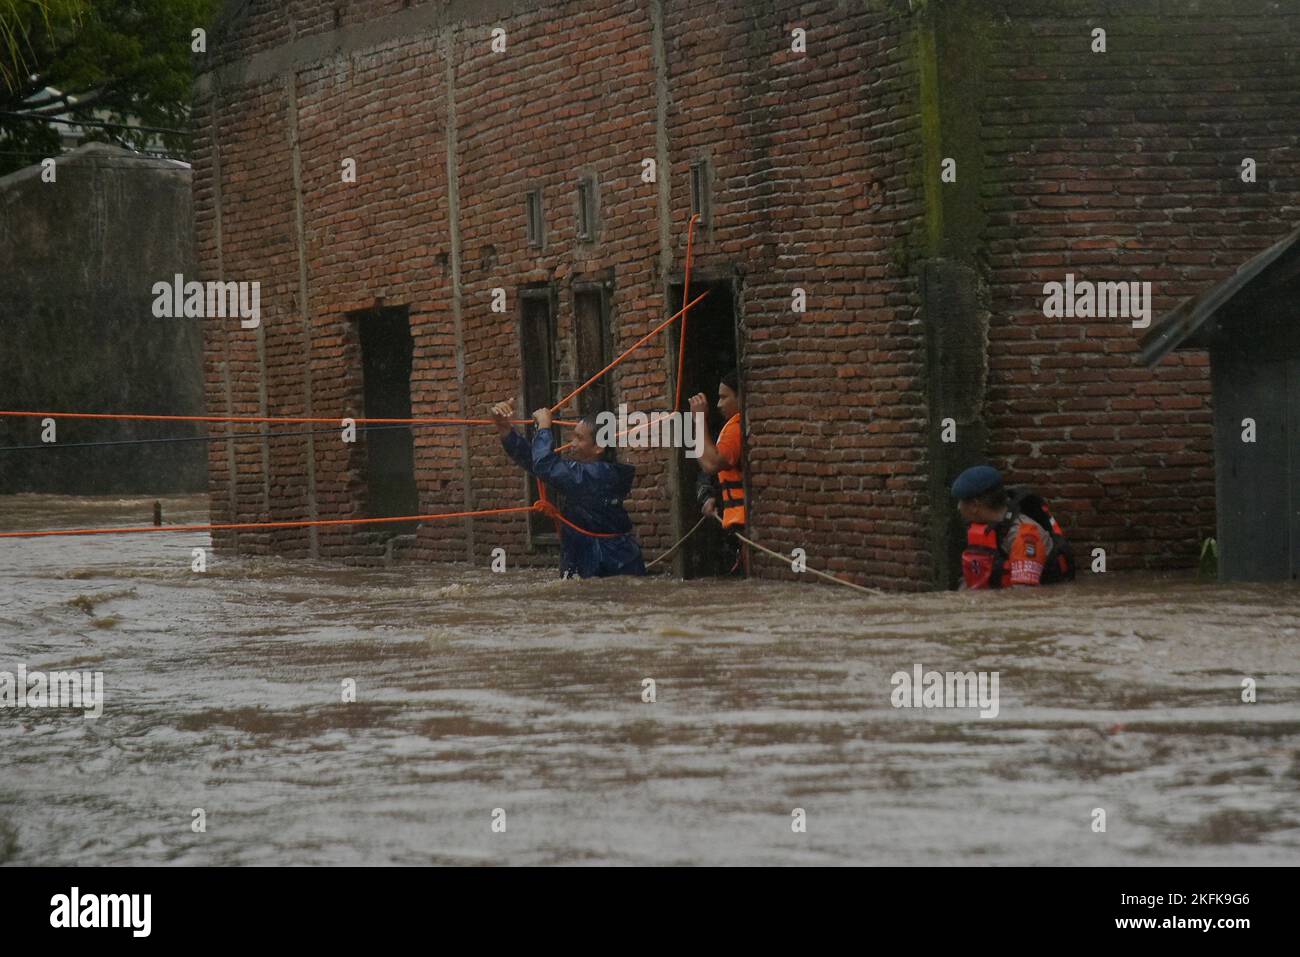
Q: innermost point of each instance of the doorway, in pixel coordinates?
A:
(386, 350)
(537, 351)
(711, 351)
(592, 344)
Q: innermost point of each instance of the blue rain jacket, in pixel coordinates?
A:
(593, 499)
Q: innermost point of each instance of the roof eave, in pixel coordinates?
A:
(1190, 324)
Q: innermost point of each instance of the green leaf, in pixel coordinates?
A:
(128, 59)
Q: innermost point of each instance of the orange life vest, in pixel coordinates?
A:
(984, 563)
(732, 482)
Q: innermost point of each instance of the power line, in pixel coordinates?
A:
(197, 438)
(144, 163)
(201, 438)
(135, 155)
(6, 114)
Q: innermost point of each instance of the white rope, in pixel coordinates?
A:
(783, 558)
(679, 543)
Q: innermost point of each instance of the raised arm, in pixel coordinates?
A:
(711, 460)
(514, 443)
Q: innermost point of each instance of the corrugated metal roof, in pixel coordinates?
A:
(1192, 315)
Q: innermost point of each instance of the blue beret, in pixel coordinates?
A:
(976, 481)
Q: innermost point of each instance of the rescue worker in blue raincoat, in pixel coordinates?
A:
(593, 486)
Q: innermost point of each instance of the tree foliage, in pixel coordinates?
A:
(121, 60)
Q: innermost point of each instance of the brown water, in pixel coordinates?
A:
(478, 691)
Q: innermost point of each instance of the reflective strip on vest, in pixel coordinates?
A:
(733, 497)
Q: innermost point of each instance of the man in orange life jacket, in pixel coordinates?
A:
(1012, 539)
(724, 459)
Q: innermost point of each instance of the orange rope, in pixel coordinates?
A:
(546, 507)
(633, 428)
(239, 525)
(636, 345)
(543, 505)
(262, 419)
(686, 291)
(542, 500)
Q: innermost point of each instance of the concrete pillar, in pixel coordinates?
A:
(453, 215)
(954, 287)
(304, 305)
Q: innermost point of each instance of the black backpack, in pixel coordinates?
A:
(1059, 566)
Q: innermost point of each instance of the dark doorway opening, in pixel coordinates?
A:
(386, 350)
(711, 351)
(591, 328)
(537, 349)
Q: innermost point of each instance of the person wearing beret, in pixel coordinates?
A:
(1012, 539)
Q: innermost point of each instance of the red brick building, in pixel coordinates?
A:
(813, 137)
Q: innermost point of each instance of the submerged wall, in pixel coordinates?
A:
(78, 260)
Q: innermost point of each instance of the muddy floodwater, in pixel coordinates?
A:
(478, 691)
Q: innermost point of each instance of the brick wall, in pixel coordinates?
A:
(812, 188)
(1114, 166)
(813, 156)
(1125, 165)
(573, 92)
